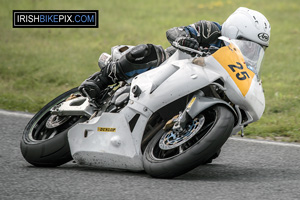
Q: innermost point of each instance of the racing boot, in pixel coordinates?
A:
(139, 59)
(94, 86)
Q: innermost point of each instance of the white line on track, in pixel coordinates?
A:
(25, 115)
(17, 114)
(265, 142)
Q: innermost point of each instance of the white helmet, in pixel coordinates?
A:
(248, 24)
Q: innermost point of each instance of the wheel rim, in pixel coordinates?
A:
(47, 126)
(162, 150)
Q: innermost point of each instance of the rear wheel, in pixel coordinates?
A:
(169, 155)
(44, 142)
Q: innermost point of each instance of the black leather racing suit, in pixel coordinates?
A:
(144, 57)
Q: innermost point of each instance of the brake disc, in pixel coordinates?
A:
(171, 140)
(55, 121)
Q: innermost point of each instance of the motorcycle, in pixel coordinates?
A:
(166, 121)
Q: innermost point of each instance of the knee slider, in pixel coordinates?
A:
(141, 58)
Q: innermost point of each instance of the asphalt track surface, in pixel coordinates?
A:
(246, 169)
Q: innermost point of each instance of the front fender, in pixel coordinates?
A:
(199, 103)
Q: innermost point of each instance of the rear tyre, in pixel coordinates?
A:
(164, 158)
(44, 142)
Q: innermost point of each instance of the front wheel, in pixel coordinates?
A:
(169, 155)
(45, 142)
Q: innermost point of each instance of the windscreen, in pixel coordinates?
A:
(253, 54)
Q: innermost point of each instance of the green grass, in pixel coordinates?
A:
(36, 65)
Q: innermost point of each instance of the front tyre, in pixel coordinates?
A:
(168, 155)
(44, 142)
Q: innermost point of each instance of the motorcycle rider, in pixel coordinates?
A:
(244, 23)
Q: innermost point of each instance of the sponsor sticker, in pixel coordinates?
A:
(191, 102)
(104, 129)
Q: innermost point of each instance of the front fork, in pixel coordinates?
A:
(180, 121)
(197, 104)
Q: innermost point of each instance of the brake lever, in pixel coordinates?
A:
(180, 47)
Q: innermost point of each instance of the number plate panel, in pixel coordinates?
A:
(231, 59)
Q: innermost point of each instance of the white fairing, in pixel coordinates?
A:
(118, 148)
(108, 141)
(174, 79)
(253, 102)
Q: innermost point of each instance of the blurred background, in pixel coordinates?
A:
(38, 64)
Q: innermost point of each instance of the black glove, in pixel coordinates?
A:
(188, 42)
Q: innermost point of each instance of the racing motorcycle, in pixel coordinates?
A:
(166, 121)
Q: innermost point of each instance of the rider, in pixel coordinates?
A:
(244, 23)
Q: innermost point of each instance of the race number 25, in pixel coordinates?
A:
(242, 75)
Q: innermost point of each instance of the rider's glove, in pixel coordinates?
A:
(188, 42)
